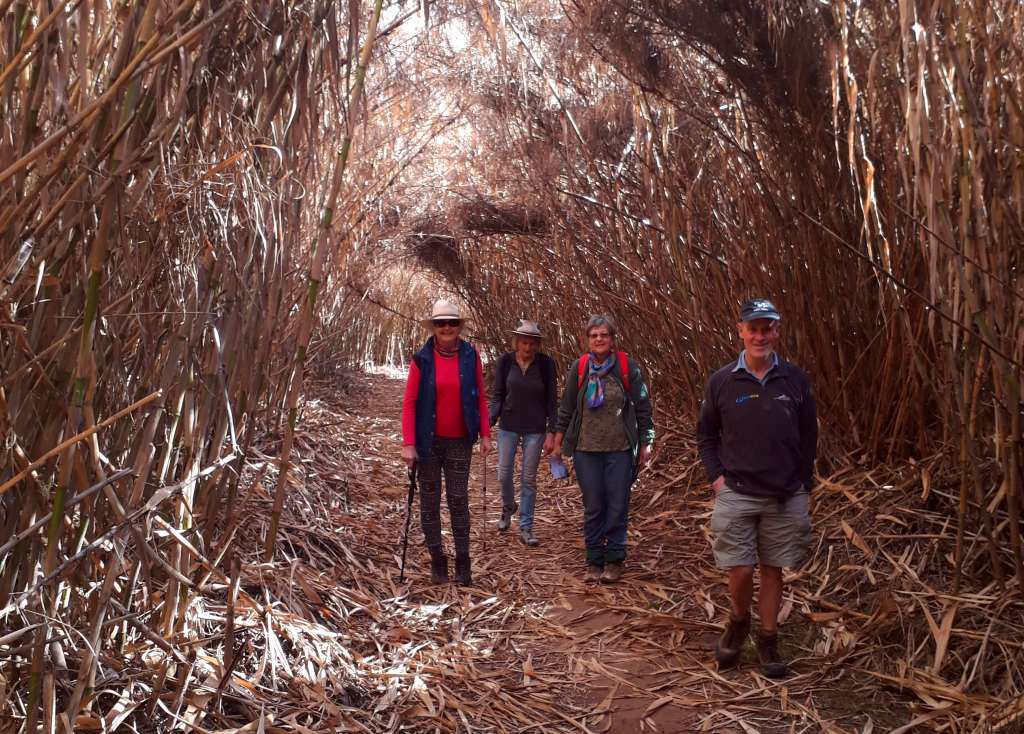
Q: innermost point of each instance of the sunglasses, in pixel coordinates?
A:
(455, 323)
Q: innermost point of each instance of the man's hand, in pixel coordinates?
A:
(549, 444)
(718, 483)
(485, 445)
(645, 455)
(409, 455)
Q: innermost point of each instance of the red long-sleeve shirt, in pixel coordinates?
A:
(451, 423)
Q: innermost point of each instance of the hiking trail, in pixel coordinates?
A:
(530, 646)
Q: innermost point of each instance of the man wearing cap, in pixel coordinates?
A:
(524, 401)
(757, 436)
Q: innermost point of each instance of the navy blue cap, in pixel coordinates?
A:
(758, 308)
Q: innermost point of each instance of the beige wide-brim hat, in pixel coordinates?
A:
(528, 328)
(443, 310)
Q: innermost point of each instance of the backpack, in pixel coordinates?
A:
(581, 370)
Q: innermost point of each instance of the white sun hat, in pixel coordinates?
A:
(528, 328)
(443, 309)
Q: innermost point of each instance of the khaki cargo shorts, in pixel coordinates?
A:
(750, 530)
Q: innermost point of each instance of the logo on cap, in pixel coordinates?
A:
(758, 308)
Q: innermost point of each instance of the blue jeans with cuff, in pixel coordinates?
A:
(606, 480)
(508, 444)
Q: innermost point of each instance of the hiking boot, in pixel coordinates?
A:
(438, 566)
(593, 572)
(463, 570)
(730, 644)
(506, 516)
(526, 535)
(772, 664)
(612, 572)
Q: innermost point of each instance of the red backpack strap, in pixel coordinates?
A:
(581, 369)
(624, 369)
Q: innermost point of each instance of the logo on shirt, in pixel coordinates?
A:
(745, 398)
(783, 397)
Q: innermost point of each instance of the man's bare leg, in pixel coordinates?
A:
(769, 598)
(741, 593)
(741, 590)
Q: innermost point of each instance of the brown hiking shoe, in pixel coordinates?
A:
(612, 572)
(772, 664)
(593, 572)
(730, 644)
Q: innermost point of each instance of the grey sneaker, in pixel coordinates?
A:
(506, 517)
(593, 572)
(526, 535)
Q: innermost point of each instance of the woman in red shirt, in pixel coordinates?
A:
(444, 411)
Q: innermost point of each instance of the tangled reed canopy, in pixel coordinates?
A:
(204, 203)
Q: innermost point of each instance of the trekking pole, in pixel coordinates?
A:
(485, 504)
(408, 518)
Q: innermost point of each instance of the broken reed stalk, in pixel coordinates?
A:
(81, 436)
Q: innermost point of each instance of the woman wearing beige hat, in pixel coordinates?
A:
(525, 403)
(443, 413)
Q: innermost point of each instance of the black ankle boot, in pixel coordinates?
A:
(438, 566)
(463, 570)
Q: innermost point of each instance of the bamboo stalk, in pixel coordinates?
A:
(314, 280)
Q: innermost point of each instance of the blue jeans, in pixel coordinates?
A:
(508, 443)
(606, 480)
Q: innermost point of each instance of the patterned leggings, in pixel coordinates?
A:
(452, 455)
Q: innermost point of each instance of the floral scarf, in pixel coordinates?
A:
(594, 395)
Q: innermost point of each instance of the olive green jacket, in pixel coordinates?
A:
(636, 414)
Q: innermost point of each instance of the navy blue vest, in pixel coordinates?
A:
(426, 400)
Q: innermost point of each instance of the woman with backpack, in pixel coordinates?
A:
(604, 422)
(444, 411)
(524, 400)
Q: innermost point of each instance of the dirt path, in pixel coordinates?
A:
(531, 646)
